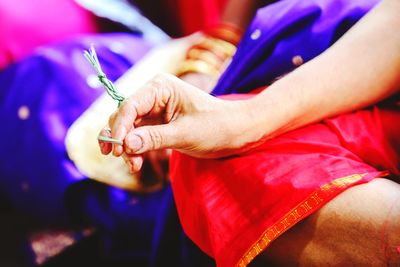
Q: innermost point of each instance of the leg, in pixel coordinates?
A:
(359, 227)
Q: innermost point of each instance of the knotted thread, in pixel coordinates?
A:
(91, 56)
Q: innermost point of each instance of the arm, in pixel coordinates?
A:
(360, 69)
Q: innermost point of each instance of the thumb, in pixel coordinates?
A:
(147, 138)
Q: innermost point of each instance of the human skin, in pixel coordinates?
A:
(236, 12)
(360, 226)
(169, 113)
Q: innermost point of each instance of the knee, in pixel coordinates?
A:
(387, 194)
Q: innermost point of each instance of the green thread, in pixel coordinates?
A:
(91, 56)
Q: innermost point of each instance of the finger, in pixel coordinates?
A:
(111, 119)
(121, 122)
(134, 162)
(111, 122)
(105, 147)
(151, 96)
(148, 138)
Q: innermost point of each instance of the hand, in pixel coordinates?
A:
(169, 113)
(155, 163)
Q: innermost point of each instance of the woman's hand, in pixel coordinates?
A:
(169, 113)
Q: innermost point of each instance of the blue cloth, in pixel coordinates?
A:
(52, 86)
(282, 31)
(40, 98)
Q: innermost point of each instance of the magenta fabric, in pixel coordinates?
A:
(26, 24)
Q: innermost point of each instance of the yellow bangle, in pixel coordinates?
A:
(226, 31)
(226, 35)
(210, 56)
(206, 56)
(197, 66)
(222, 46)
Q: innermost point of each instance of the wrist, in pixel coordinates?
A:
(282, 107)
(244, 128)
(270, 114)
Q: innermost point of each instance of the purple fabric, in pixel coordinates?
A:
(52, 84)
(287, 28)
(39, 180)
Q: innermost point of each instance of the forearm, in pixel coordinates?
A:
(362, 68)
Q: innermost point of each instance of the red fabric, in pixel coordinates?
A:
(197, 15)
(182, 17)
(233, 208)
(27, 24)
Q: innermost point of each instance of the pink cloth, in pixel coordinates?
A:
(27, 24)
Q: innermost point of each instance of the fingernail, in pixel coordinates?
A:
(118, 150)
(134, 143)
(120, 134)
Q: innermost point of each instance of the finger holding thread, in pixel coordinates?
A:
(105, 147)
(135, 162)
(123, 123)
(119, 133)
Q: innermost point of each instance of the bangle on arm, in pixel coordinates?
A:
(213, 53)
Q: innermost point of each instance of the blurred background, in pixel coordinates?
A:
(26, 28)
(26, 25)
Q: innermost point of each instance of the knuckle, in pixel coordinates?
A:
(163, 77)
(156, 139)
(128, 108)
(158, 81)
(163, 81)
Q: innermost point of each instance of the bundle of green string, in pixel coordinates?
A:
(91, 56)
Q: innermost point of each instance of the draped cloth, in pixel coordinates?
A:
(233, 208)
(40, 98)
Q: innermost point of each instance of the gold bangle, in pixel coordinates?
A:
(226, 35)
(206, 56)
(226, 31)
(197, 66)
(222, 46)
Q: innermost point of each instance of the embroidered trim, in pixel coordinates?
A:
(305, 208)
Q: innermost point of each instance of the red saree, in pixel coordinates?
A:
(233, 208)
(198, 15)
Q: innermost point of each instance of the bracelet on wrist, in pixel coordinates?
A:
(213, 53)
